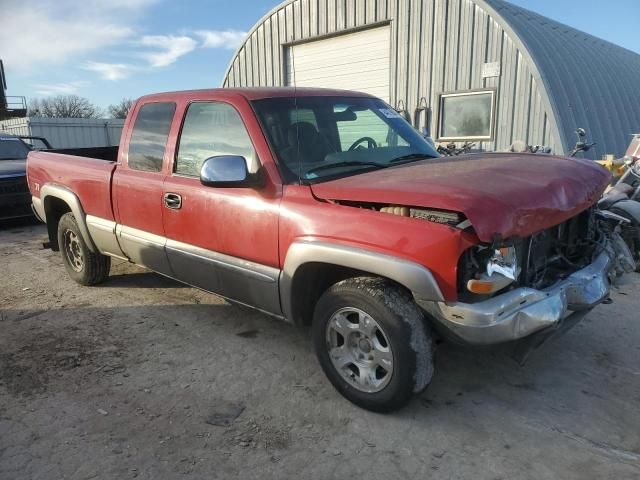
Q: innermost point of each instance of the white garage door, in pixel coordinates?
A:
(355, 61)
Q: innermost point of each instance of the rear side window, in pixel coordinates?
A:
(211, 129)
(149, 137)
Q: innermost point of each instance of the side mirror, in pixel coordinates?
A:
(226, 171)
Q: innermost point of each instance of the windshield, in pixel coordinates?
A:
(12, 149)
(320, 138)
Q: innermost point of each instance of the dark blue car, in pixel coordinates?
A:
(15, 199)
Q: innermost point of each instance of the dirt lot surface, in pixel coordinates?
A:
(145, 378)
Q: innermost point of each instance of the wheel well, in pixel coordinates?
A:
(54, 209)
(310, 281)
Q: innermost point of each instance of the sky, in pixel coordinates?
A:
(106, 50)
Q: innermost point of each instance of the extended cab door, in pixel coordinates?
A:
(137, 187)
(224, 240)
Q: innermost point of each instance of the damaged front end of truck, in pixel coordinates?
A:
(529, 289)
(544, 255)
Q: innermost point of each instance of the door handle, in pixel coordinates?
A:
(172, 201)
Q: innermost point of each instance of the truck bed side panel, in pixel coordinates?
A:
(88, 178)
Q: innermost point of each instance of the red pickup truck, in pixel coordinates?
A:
(326, 208)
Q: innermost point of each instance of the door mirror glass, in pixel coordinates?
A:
(225, 171)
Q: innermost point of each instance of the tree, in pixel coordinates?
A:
(121, 109)
(63, 106)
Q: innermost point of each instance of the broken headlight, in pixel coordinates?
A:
(505, 262)
(501, 271)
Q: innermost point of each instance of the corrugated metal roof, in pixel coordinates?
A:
(591, 83)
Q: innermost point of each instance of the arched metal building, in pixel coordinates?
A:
(466, 69)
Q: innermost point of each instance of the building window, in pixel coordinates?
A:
(212, 129)
(467, 116)
(149, 137)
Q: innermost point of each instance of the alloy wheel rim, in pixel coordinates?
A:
(73, 250)
(359, 350)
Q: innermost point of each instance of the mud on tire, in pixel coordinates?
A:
(82, 265)
(373, 343)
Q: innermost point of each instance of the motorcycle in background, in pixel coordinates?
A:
(621, 202)
(581, 145)
(623, 199)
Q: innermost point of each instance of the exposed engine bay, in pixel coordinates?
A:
(443, 217)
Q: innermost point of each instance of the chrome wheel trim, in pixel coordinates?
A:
(359, 350)
(73, 250)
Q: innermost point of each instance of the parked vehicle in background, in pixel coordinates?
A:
(624, 198)
(326, 208)
(15, 199)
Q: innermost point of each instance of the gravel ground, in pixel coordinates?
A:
(143, 377)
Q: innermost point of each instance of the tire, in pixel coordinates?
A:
(82, 265)
(379, 322)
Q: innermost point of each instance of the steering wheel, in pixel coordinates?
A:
(371, 143)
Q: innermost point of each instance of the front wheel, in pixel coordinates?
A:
(82, 265)
(372, 343)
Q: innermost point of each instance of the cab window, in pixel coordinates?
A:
(149, 137)
(212, 129)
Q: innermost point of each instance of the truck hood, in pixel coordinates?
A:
(503, 195)
(13, 168)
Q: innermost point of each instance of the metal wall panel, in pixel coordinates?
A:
(553, 78)
(67, 132)
(16, 126)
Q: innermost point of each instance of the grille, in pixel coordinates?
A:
(13, 185)
(557, 252)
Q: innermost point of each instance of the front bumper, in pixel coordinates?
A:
(522, 312)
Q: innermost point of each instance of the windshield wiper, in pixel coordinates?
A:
(411, 156)
(343, 164)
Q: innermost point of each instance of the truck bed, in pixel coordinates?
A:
(99, 153)
(88, 177)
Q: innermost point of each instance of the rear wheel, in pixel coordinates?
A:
(82, 265)
(372, 343)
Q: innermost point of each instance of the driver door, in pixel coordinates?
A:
(224, 240)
